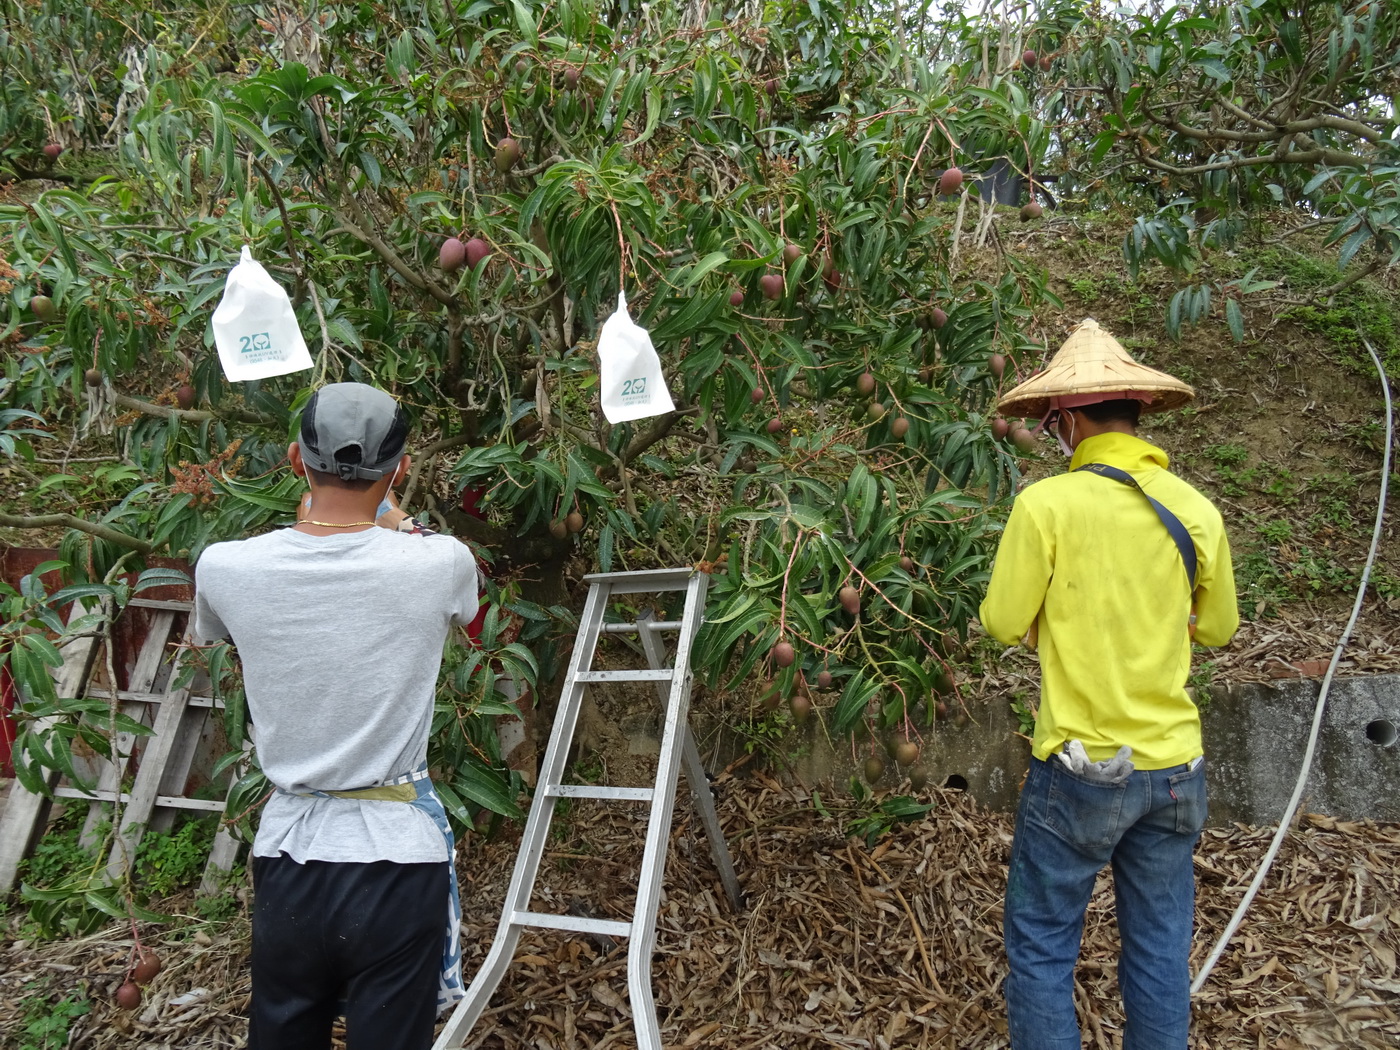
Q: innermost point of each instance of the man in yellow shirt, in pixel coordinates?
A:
(1108, 571)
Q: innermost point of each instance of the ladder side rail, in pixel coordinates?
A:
(533, 840)
(658, 839)
(694, 769)
(145, 788)
(26, 812)
(143, 677)
(189, 733)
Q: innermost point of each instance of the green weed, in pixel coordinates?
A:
(43, 1023)
(166, 862)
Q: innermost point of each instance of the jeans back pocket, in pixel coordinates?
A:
(1188, 790)
(1086, 813)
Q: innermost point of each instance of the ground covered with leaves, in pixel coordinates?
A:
(841, 944)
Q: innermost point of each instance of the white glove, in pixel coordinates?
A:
(1113, 770)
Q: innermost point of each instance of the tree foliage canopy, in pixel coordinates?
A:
(836, 435)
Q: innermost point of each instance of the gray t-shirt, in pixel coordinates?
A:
(341, 640)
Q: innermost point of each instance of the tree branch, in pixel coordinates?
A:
(193, 415)
(1320, 155)
(69, 521)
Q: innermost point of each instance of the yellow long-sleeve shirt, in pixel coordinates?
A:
(1088, 562)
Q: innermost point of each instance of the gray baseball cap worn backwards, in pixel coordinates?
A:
(353, 431)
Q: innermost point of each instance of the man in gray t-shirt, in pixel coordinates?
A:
(340, 626)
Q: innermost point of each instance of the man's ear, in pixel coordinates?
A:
(298, 465)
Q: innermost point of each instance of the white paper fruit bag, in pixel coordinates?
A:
(632, 386)
(255, 327)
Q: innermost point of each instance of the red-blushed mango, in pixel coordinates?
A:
(1031, 211)
(791, 253)
(997, 363)
(899, 427)
(1029, 58)
(865, 385)
(950, 182)
(147, 966)
(937, 317)
(771, 284)
(850, 599)
(736, 298)
(1023, 439)
(452, 255)
(1000, 428)
(784, 654)
(476, 251)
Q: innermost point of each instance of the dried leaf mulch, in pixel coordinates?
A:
(840, 944)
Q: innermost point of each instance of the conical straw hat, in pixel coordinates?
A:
(1092, 362)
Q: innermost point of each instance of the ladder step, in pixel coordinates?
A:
(154, 698)
(644, 582)
(158, 603)
(644, 674)
(165, 801)
(631, 628)
(573, 923)
(593, 791)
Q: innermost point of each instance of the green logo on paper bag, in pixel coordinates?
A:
(256, 347)
(634, 388)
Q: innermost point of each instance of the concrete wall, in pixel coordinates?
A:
(1255, 735)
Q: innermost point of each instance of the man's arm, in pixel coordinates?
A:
(1020, 577)
(205, 623)
(1217, 612)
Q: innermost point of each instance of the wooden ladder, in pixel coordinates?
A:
(159, 765)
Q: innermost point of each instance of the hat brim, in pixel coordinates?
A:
(1033, 404)
(1092, 362)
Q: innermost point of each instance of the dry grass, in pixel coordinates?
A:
(840, 945)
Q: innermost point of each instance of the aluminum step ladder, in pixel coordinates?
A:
(678, 752)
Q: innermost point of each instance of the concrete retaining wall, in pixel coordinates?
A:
(1255, 735)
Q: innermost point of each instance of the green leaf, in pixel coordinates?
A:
(1235, 319)
(487, 789)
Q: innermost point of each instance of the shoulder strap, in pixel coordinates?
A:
(1179, 534)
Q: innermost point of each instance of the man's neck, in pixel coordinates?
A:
(337, 511)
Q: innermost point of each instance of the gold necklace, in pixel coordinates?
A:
(334, 524)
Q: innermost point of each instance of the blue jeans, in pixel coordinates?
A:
(1067, 829)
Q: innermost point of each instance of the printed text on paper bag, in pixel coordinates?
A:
(634, 389)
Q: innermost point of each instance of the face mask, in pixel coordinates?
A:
(384, 506)
(1065, 446)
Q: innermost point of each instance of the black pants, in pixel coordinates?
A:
(373, 931)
